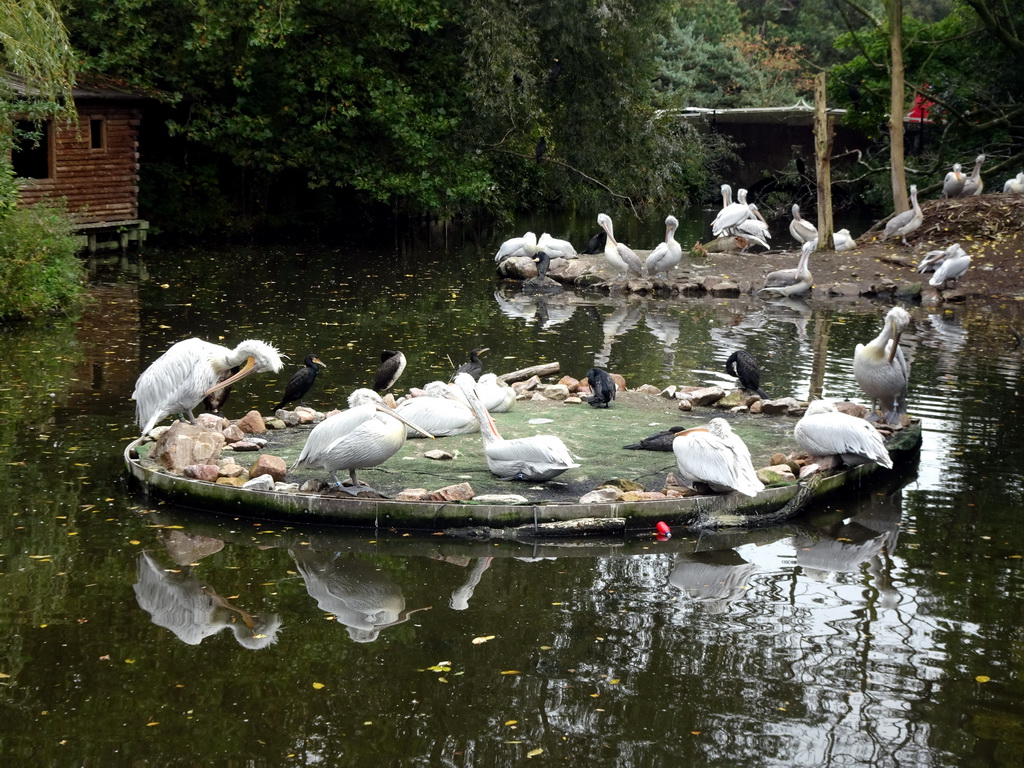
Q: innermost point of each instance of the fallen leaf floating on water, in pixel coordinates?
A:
(319, 686)
(535, 752)
(510, 672)
(983, 678)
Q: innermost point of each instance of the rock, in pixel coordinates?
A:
(778, 458)
(621, 484)
(274, 423)
(620, 381)
(307, 415)
(459, 492)
(261, 483)
(529, 385)
(572, 384)
(501, 498)
(438, 455)
(244, 445)
(572, 400)
(669, 391)
(704, 395)
(602, 495)
(252, 423)
(286, 487)
(268, 464)
(311, 486)
(288, 418)
(844, 289)
(649, 389)
(734, 399)
(757, 406)
(685, 405)
(232, 434)
(556, 392)
(184, 444)
(724, 288)
(852, 409)
(205, 472)
(782, 405)
(643, 496)
(411, 494)
(230, 468)
(237, 482)
(809, 469)
(212, 421)
(825, 462)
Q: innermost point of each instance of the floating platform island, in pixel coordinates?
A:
(515, 509)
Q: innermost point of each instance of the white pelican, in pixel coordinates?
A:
(620, 256)
(824, 431)
(953, 184)
(536, 459)
(800, 228)
(726, 195)
(392, 365)
(931, 260)
(843, 240)
(881, 369)
(301, 381)
(791, 282)
(556, 248)
(496, 397)
(732, 215)
(755, 227)
(1014, 186)
(365, 435)
(903, 224)
(716, 455)
(517, 246)
(178, 380)
(666, 254)
(974, 183)
(439, 411)
(951, 266)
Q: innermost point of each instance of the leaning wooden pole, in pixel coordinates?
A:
(823, 131)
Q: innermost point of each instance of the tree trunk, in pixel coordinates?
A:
(823, 163)
(901, 202)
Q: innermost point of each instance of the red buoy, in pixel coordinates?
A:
(662, 528)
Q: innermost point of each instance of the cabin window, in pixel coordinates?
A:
(32, 157)
(98, 133)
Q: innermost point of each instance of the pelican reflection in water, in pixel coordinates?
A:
(361, 597)
(178, 601)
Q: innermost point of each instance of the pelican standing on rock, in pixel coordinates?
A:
(178, 380)
(824, 431)
(732, 215)
(903, 224)
(1014, 186)
(392, 364)
(743, 366)
(953, 184)
(802, 230)
(717, 456)
(535, 459)
(621, 257)
(881, 369)
(440, 411)
(974, 183)
(666, 254)
(791, 282)
(301, 381)
(951, 266)
(366, 435)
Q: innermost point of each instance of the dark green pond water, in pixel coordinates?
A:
(885, 630)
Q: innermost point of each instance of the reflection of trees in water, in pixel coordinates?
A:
(178, 601)
(355, 592)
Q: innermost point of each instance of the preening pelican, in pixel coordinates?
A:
(824, 431)
(496, 396)
(622, 258)
(717, 456)
(953, 184)
(903, 224)
(843, 240)
(214, 402)
(755, 227)
(366, 435)
(474, 366)
(666, 254)
(556, 248)
(178, 380)
(801, 229)
(602, 387)
(536, 459)
(439, 411)
(791, 282)
(517, 246)
(1014, 186)
(951, 266)
(881, 369)
(974, 183)
(732, 215)
(743, 366)
(301, 381)
(392, 364)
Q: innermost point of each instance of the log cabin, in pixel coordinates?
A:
(93, 165)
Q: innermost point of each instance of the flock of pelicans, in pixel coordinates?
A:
(370, 431)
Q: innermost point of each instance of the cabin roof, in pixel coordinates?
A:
(93, 87)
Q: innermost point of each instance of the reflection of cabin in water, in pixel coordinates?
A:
(768, 139)
(93, 165)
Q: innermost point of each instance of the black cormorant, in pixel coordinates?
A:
(602, 387)
(475, 366)
(392, 364)
(659, 441)
(743, 366)
(301, 381)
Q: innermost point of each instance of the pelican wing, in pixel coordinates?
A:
(951, 268)
(655, 257)
(331, 429)
(834, 433)
(440, 416)
(537, 458)
(175, 381)
(706, 457)
(729, 217)
(631, 260)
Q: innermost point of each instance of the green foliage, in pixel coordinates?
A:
(39, 269)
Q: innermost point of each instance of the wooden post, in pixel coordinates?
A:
(900, 199)
(823, 131)
(822, 331)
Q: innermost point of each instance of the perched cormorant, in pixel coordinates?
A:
(659, 441)
(392, 364)
(474, 366)
(301, 381)
(743, 366)
(602, 388)
(541, 148)
(596, 244)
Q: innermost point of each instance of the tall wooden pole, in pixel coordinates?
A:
(823, 131)
(901, 201)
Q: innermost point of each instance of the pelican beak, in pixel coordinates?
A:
(895, 346)
(401, 418)
(249, 367)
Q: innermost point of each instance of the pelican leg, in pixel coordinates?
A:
(355, 487)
